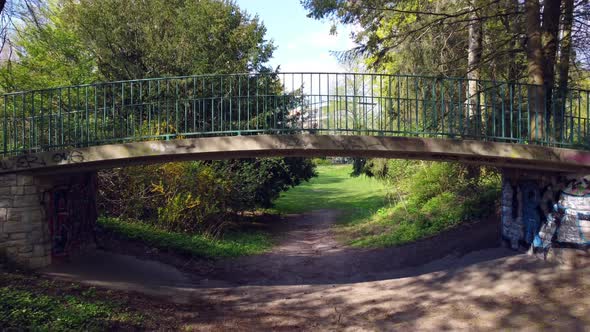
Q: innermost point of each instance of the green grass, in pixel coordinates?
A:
(334, 188)
(371, 221)
(232, 244)
(27, 305)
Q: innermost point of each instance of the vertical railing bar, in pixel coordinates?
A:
(87, 117)
(14, 124)
(442, 107)
(24, 111)
(511, 87)
(5, 127)
(579, 116)
(221, 112)
(33, 132)
(417, 106)
(95, 112)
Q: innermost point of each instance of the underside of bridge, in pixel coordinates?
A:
(501, 155)
(48, 210)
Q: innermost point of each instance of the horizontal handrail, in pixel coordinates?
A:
(285, 103)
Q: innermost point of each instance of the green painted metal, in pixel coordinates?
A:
(285, 103)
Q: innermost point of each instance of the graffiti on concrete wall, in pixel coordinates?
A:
(563, 211)
(29, 161)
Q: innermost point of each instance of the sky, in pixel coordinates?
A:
(303, 44)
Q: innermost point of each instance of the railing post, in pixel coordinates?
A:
(5, 126)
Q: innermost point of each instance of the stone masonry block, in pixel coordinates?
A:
(25, 249)
(14, 243)
(7, 180)
(37, 236)
(26, 201)
(39, 262)
(30, 190)
(24, 180)
(40, 250)
(17, 227)
(17, 236)
(3, 215)
(17, 190)
(25, 256)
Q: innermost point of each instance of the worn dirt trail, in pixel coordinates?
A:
(311, 282)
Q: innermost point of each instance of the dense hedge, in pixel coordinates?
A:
(198, 196)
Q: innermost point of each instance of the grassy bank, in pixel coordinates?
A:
(231, 244)
(428, 206)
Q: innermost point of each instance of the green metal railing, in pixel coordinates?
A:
(283, 103)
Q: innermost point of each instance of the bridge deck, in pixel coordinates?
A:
(117, 155)
(391, 110)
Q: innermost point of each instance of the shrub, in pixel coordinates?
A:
(198, 196)
(428, 197)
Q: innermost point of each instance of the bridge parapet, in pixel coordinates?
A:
(291, 103)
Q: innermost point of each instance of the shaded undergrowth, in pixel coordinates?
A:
(230, 244)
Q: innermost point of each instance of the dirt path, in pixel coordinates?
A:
(310, 282)
(308, 253)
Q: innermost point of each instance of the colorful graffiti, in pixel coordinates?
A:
(561, 216)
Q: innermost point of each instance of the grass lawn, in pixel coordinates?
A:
(334, 188)
(370, 220)
(232, 244)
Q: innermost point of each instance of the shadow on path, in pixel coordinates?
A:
(309, 281)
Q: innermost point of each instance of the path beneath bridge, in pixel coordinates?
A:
(310, 281)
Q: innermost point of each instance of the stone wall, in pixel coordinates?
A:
(25, 237)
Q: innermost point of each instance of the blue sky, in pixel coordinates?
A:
(303, 44)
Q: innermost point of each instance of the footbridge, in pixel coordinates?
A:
(59, 137)
(115, 123)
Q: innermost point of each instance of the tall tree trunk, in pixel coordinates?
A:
(514, 28)
(551, 14)
(534, 52)
(563, 66)
(474, 51)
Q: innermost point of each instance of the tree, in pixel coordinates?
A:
(391, 29)
(137, 39)
(47, 53)
(474, 51)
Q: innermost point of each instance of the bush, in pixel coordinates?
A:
(428, 197)
(198, 196)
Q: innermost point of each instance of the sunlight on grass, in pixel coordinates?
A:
(334, 188)
(370, 220)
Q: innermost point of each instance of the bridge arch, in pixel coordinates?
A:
(502, 155)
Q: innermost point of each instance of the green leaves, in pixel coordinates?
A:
(48, 54)
(22, 309)
(74, 42)
(135, 39)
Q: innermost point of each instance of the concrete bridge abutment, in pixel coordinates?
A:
(44, 218)
(543, 211)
